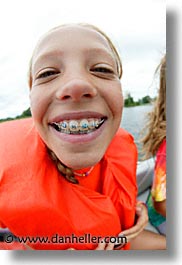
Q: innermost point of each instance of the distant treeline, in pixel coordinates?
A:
(26, 113)
(128, 102)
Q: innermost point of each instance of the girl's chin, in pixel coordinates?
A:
(76, 165)
(80, 160)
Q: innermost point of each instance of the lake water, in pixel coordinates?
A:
(133, 120)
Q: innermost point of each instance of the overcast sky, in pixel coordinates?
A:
(138, 29)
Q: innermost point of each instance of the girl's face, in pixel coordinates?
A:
(76, 97)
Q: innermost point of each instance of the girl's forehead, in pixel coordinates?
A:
(75, 35)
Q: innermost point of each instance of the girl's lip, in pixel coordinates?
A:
(77, 116)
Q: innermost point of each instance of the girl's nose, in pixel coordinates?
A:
(76, 90)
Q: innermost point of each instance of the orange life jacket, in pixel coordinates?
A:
(36, 201)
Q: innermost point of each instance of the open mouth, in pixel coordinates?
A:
(77, 127)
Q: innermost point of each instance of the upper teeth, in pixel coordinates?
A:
(84, 125)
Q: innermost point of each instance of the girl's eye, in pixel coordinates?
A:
(47, 74)
(103, 70)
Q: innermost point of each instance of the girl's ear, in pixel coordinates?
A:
(30, 74)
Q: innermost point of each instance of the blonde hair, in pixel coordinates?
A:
(156, 126)
(63, 169)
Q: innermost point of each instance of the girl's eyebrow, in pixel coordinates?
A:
(100, 52)
(45, 56)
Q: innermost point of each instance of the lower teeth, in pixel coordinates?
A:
(76, 133)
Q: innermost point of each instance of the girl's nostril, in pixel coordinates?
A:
(66, 97)
(87, 95)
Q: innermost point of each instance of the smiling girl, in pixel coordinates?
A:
(69, 169)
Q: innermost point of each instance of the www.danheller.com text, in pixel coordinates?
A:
(70, 239)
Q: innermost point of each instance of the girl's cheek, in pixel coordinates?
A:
(37, 107)
(117, 100)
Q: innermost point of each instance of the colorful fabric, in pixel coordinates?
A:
(159, 183)
(35, 200)
(158, 191)
(155, 218)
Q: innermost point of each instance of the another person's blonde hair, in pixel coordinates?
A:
(156, 127)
